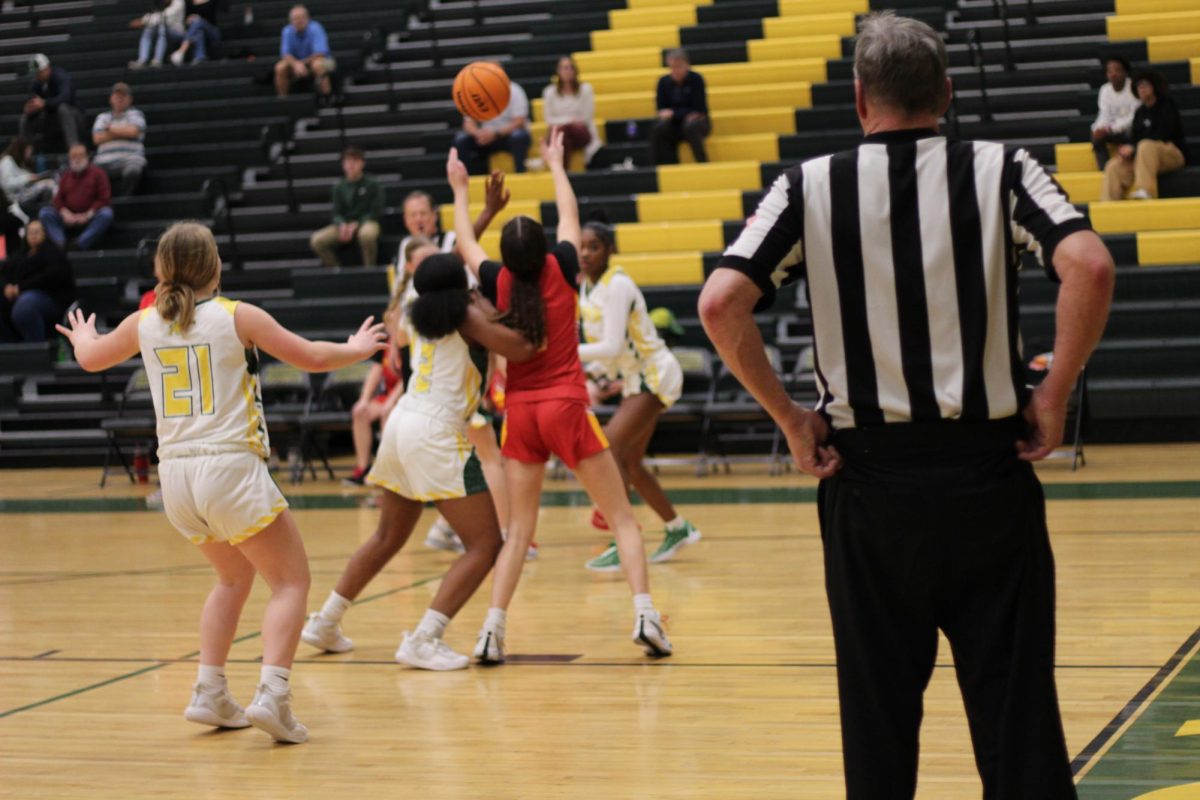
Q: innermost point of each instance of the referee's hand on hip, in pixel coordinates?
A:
(807, 433)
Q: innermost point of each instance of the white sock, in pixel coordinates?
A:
(642, 602)
(335, 607)
(274, 678)
(209, 675)
(675, 523)
(433, 623)
(496, 617)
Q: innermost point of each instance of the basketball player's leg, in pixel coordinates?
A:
(487, 450)
(474, 517)
(277, 552)
(629, 432)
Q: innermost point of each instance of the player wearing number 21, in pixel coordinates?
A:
(201, 357)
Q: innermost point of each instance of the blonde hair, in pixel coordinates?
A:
(188, 261)
(414, 244)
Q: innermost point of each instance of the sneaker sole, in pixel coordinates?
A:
(317, 643)
(649, 647)
(206, 716)
(268, 723)
(667, 555)
(605, 568)
(481, 654)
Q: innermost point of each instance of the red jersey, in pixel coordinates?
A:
(555, 372)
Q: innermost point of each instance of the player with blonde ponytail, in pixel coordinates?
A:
(200, 352)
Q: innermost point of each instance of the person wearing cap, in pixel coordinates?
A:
(83, 203)
(52, 102)
(119, 135)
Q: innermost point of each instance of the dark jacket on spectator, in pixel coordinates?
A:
(83, 191)
(1162, 122)
(58, 90)
(47, 270)
(357, 202)
(206, 11)
(682, 98)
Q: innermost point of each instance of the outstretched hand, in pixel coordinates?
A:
(370, 338)
(495, 196)
(552, 148)
(456, 172)
(80, 329)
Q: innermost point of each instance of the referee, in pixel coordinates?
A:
(931, 515)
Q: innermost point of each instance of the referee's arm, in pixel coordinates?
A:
(768, 254)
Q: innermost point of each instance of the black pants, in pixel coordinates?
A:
(941, 526)
(665, 137)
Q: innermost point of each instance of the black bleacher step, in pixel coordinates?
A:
(1186, 97)
(1017, 9)
(334, 281)
(1127, 320)
(158, 206)
(114, 262)
(25, 358)
(706, 34)
(1035, 50)
(163, 179)
(1163, 400)
(343, 312)
(1132, 284)
(1087, 24)
(1145, 358)
(98, 293)
(29, 421)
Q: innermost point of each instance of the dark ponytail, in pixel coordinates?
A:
(523, 248)
(442, 296)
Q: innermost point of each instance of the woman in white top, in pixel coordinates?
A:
(621, 343)
(26, 190)
(161, 30)
(570, 106)
(201, 358)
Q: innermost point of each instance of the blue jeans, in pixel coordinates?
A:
(203, 35)
(56, 228)
(31, 314)
(161, 38)
(475, 157)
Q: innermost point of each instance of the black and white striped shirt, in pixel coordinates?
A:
(909, 246)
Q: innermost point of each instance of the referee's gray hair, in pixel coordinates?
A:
(901, 63)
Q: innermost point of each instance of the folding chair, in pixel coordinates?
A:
(134, 420)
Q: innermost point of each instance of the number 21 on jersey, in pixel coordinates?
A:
(184, 370)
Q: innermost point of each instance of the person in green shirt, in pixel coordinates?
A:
(357, 209)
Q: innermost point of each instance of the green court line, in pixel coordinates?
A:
(1120, 490)
(193, 654)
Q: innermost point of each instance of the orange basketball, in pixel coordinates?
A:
(481, 90)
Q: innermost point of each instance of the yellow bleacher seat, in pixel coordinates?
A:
(639, 105)
(611, 60)
(1168, 247)
(841, 24)
(680, 206)
(749, 77)
(529, 186)
(1196, 71)
(708, 177)
(640, 4)
(503, 161)
(1174, 48)
(1141, 26)
(625, 19)
(660, 37)
(515, 208)
(1074, 157)
(1128, 7)
(792, 8)
(751, 146)
(759, 120)
(663, 269)
(1138, 216)
(667, 237)
(771, 50)
(1082, 187)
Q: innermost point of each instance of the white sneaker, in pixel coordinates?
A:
(272, 712)
(215, 707)
(177, 58)
(1140, 194)
(650, 635)
(442, 537)
(325, 635)
(422, 651)
(531, 553)
(489, 649)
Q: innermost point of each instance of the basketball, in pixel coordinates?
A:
(481, 90)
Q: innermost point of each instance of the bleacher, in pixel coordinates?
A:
(223, 148)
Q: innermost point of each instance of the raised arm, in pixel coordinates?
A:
(479, 327)
(257, 327)
(97, 352)
(564, 195)
(495, 200)
(464, 232)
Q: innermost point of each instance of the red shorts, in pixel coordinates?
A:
(566, 428)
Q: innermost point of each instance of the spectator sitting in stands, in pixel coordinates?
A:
(22, 187)
(52, 103)
(571, 106)
(421, 223)
(202, 32)
(1157, 144)
(682, 112)
(509, 131)
(1117, 104)
(303, 51)
(162, 30)
(83, 202)
(119, 135)
(38, 288)
(357, 210)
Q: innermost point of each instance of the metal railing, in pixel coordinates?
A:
(980, 64)
(216, 195)
(278, 134)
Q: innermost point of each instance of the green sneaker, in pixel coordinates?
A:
(608, 561)
(675, 539)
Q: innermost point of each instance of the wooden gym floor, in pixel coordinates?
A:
(99, 600)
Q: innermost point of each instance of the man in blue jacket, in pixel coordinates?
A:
(682, 112)
(52, 103)
(303, 52)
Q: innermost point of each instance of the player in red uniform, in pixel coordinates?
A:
(547, 401)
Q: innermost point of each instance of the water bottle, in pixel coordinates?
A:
(141, 465)
(631, 130)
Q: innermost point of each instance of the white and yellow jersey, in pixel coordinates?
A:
(616, 327)
(447, 377)
(204, 383)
